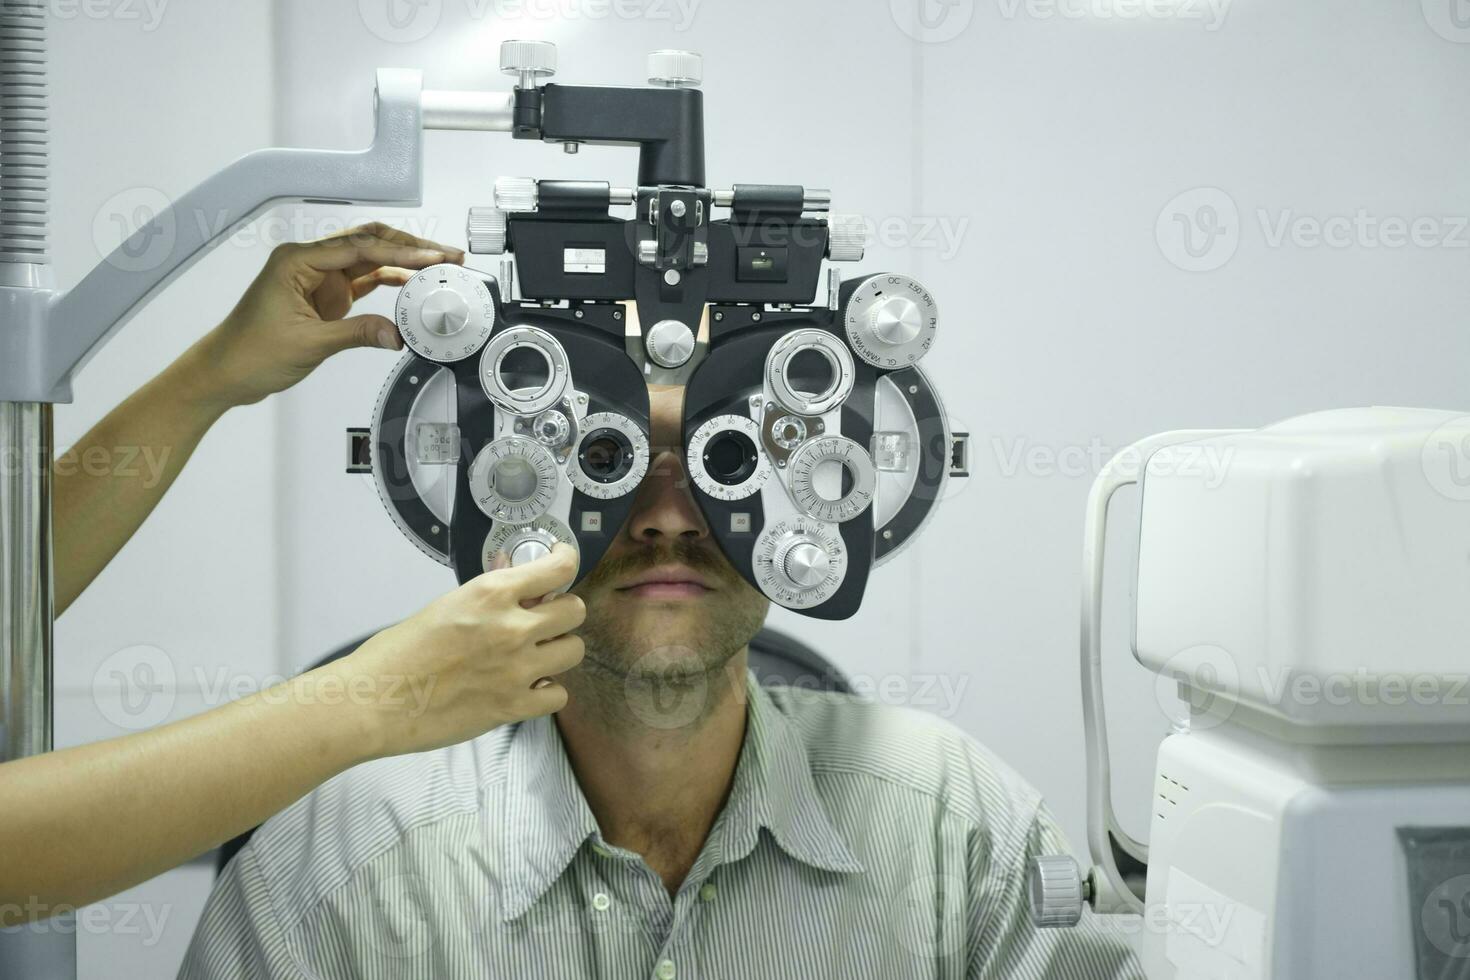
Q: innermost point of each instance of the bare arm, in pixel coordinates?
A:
(288, 322)
(84, 823)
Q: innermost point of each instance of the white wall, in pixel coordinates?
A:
(147, 101)
(1050, 146)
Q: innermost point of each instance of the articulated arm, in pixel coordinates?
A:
(51, 336)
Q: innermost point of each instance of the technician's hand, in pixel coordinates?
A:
(294, 316)
(480, 657)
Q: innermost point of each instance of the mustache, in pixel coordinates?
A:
(704, 558)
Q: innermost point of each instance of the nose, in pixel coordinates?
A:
(664, 510)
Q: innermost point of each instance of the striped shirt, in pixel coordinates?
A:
(858, 841)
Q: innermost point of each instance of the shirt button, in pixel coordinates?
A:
(601, 902)
(707, 892)
(666, 970)
(601, 851)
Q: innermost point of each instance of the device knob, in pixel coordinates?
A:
(675, 69)
(516, 194)
(806, 565)
(552, 429)
(528, 551)
(530, 60)
(486, 231)
(896, 320)
(847, 237)
(444, 313)
(1057, 893)
(670, 343)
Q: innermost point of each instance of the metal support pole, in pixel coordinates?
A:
(46, 949)
(25, 581)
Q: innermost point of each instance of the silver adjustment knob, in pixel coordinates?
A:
(675, 69)
(1057, 892)
(529, 61)
(890, 320)
(847, 237)
(896, 320)
(517, 194)
(444, 312)
(486, 231)
(670, 343)
(528, 551)
(552, 429)
(806, 565)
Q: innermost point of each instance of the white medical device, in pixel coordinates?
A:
(1308, 586)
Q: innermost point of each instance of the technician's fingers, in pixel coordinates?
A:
(393, 236)
(556, 616)
(367, 330)
(558, 656)
(546, 700)
(535, 579)
(384, 276)
(346, 256)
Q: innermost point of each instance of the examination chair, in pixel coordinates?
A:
(777, 660)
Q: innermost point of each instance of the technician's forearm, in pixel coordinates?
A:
(108, 484)
(82, 824)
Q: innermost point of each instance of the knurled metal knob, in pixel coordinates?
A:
(486, 231)
(675, 69)
(806, 565)
(1057, 893)
(896, 320)
(516, 194)
(531, 60)
(670, 343)
(847, 237)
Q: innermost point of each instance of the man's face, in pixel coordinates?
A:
(664, 600)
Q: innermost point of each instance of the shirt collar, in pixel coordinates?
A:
(773, 789)
(545, 820)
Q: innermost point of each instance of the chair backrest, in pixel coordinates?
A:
(776, 658)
